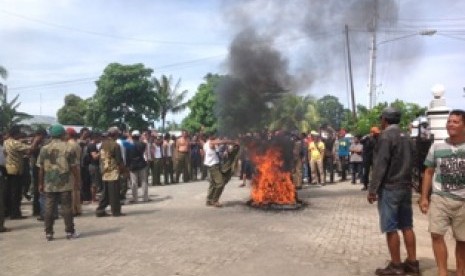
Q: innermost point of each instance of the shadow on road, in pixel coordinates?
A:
(100, 232)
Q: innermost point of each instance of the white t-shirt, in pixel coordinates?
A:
(211, 158)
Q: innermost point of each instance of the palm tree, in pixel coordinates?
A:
(168, 98)
(3, 72)
(295, 113)
(10, 115)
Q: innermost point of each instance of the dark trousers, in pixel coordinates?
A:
(123, 189)
(14, 195)
(195, 167)
(36, 195)
(86, 194)
(157, 171)
(110, 196)
(344, 161)
(328, 166)
(204, 170)
(26, 177)
(168, 170)
(51, 201)
(356, 170)
(182, 166)
(366, 173)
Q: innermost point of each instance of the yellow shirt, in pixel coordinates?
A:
(316, 150)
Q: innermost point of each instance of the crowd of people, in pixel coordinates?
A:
(63, 167)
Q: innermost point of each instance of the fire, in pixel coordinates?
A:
(271, 185)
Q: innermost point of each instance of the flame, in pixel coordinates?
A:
(271, 184)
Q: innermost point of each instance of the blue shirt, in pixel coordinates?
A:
(343, 147)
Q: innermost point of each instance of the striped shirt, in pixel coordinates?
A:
(449, 163)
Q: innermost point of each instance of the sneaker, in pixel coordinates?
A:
(411, 267)
(49, 237)
(391, 269)
(72, 236)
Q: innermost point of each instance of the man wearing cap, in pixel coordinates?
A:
(391, 187)
(58, 164)
(72, 136)
(111, 164)
(137, 165)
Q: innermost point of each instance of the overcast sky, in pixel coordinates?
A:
(57, 47)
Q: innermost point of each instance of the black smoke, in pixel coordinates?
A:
(281, 47)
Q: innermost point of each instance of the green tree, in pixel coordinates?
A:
(168, 97)
(370, 117)
(331, 111)
(73, 112)
(202, 105)
(9, 114)
(294, 112)
(124, 96)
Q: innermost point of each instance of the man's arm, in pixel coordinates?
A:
(425, 189)
(41, 179)
(380, 165)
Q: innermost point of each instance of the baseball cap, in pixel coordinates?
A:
(135, 133)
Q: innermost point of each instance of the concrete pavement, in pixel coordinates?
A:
(176, 234)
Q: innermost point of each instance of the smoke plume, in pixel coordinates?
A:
(281, 47)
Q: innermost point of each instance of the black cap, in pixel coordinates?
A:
(391, 113)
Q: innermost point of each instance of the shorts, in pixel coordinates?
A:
(395, 210)
(445, 212)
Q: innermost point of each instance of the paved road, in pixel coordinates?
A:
(176, 234)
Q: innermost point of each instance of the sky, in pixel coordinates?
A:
(54, 48)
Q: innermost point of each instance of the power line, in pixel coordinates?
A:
(85, 80)
(59, 26)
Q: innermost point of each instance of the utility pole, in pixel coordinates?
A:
(351, 80)
(372, 72)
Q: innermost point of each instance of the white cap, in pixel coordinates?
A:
(135, 133)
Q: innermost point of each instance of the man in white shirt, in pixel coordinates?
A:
(218, 177)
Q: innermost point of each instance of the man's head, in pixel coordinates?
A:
(342, 133)
(113, 132)
(135, 134)
(456, 124)
(390, 116)
(71, 133)
(57, 131)
(374, 131)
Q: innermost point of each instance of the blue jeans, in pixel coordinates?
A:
(395, 209)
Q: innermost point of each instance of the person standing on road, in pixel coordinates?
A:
(391, 186)
(137, 165)
(182, 157)
(72, 137)
(343, 145)
(445, 173)
(218, 177)
(58, 164)
(316, 151)
(356, 159)
(111, 164)
(368, 143)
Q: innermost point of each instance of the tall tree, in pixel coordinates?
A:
(331, 111)
(73, 112)
(124, 96)
(168, 97)
(202, 106)
(294, 112)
